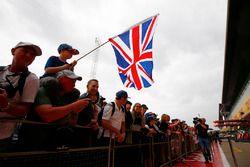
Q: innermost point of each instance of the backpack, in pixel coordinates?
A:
(20, 85)
(85, 116)
(99, 119)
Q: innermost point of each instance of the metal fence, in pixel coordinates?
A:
(159, 150)
(90, 157)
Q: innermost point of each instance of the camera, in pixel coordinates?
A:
(10, 90)
(196, 120)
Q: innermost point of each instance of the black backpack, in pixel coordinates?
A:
(11, 91)
(85, 116)
(99, 119)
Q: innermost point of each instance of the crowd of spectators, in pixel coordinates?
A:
(66, 119)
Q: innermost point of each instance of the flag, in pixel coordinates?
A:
(133, 50)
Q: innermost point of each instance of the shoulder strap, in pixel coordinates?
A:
(84, 95)
(123, 109)
(21, 81)
(113, 108)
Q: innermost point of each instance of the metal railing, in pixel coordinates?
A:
(152, 153)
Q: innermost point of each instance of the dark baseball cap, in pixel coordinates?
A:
(65, 46)
(152, 118)
(144, 106)
(121, 94)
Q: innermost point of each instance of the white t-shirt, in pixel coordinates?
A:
(30, 87)
(116, 119)
(29, 93)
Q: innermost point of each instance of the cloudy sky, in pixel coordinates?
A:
(188, 48)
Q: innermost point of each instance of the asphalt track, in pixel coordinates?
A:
(222, 156)
(196, 159)
(241, 151)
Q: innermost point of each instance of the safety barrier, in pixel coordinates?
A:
(159, 150)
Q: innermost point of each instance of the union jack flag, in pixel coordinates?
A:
(133, 50)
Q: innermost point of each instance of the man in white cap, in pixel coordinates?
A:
(19, 86)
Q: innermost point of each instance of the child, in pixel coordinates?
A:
(56, 64)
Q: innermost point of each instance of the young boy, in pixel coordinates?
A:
(56, 64)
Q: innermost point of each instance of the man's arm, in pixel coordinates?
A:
(17, 109)
(204, 126)
(107, 125)
(171, 126)
(53, 70)
(48, 113)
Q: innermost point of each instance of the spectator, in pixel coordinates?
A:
(176, 137)
(144, 109)
(55, 64)
(50, 112)
(88, 117)
(114, 125)
(56, 102)
(138, 124)
(164, 127)
(164, 124)
(128, 122)
(174, 125)
(128, 115)
(20, 86)
(151, 121)
(153, 132)
(137, 118)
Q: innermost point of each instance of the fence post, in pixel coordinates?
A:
(113, 153)
(185, 144)
(170, 150)
(152, 151)
(109, 152)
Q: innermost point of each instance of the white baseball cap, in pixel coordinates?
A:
(68, 73)
(36, 48)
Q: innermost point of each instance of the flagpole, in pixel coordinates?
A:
(92, 50)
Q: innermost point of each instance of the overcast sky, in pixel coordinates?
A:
(188, 46)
